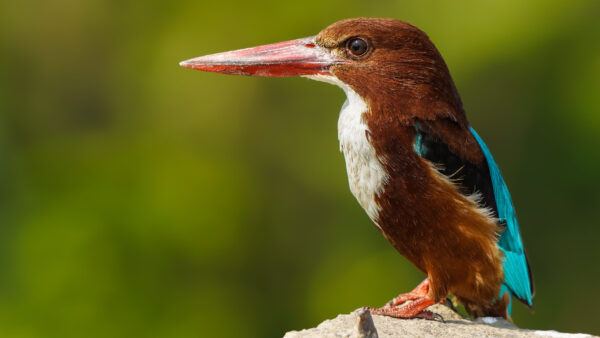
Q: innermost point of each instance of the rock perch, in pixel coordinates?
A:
(359, 324)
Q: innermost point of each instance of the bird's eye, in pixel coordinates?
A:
(357, 47)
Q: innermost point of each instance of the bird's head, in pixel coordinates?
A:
(390, 64)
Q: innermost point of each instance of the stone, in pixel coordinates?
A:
(361, 324)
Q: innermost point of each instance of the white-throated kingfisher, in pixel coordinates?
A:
(420, 171)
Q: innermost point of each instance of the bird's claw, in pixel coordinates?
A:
(430, 316)
(439, 317)
(397, 312)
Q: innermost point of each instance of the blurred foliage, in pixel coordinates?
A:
(139, 198)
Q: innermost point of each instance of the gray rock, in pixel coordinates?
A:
(359, 324)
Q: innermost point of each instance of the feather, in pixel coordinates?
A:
(517, 275)
(484, 180)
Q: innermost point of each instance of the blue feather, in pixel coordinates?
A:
(517, 280)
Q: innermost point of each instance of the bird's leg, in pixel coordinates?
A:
(415, 309)
(420, 291)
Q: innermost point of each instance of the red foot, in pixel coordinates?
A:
(415, 309)
(420, 291)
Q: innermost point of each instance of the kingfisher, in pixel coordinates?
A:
(416, 166)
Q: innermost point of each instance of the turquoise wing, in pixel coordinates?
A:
(517, 275)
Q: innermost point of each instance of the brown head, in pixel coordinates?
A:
(392, 65)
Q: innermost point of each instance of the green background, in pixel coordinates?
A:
(138, 198)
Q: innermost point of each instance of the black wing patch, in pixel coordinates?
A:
(468, 177)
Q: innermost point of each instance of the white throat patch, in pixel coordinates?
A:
(366, 174)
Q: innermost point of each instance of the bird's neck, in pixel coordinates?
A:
(366, 173)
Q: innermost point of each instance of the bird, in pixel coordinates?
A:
(417, 167)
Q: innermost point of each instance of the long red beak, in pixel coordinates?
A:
(289, 58)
